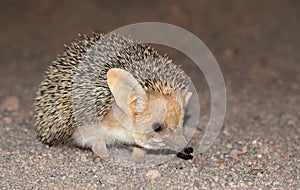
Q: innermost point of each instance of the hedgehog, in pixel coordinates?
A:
(107, 89)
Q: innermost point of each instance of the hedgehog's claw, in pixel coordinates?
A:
(99, 150)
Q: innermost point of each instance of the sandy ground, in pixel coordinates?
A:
(257, 46)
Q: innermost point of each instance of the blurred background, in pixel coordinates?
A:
(256, 43)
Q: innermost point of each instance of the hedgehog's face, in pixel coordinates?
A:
(154, 120)
(160, 125)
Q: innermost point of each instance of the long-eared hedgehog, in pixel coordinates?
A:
(109, 88)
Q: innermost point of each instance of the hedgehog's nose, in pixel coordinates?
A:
(188, 150)
(186, 153)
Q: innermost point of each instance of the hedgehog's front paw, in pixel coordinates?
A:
(99, 150)
(139, 154)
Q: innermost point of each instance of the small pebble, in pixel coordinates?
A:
(291, 123)
(219, 162)
(229, 146)
(153, 174)
(226, 132)
(235, 154)
(260, 175)
(7, 120)
(244, 149)
(10, 104)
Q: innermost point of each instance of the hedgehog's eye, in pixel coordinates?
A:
(157, 127)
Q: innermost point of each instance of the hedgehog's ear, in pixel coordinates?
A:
(129, 95)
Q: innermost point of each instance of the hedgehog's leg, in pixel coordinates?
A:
(139, 154)
(99, 149)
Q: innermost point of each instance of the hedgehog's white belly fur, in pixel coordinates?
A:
(85, 136)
